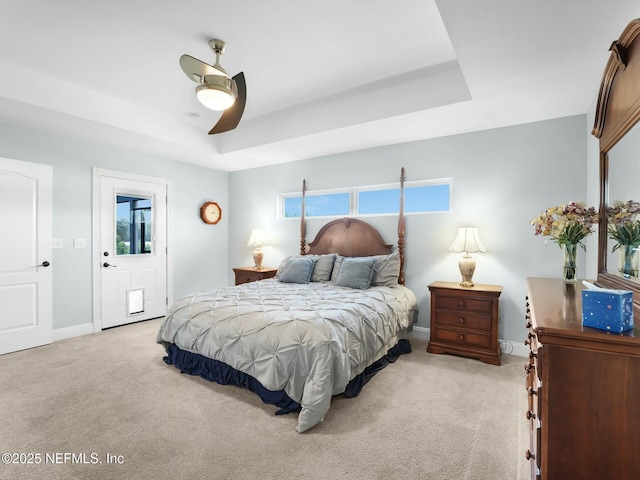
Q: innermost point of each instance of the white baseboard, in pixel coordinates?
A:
(507, 346)
(514, 348)
(72, 331)
(423, 333)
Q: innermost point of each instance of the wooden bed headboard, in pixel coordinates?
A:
(352, 237)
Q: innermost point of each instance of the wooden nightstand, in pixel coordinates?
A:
(250, 274)
(464, 320)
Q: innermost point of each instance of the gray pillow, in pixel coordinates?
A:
(336, 267)
(297, 270)
(386, 270)
(323, 268)
(355, 272)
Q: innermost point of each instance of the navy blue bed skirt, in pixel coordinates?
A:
(219, 372)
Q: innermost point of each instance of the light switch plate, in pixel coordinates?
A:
(79, 243)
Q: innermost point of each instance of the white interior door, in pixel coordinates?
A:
(133, 250)
(25, 255)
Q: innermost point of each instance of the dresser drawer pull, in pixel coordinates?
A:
(532, 354)
(530, 415)
(529, 455)
(531, 391)
(528, 367)
(461, 320)
(460, 336)
(528, 324)
(460, 303)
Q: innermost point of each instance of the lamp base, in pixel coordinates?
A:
(257, 259)
(467, 265)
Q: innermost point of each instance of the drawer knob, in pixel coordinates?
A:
(528, 324)
(528, 367)
(529, 455)
(460, 336)
(527, 342)
(461, 320)
(532, 354)
(461, 303)
(532, 392)
(530, 415)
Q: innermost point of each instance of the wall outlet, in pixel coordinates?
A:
(56, 243)
(79, 243)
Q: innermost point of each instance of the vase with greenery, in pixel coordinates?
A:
(567, 225)
(623, 226)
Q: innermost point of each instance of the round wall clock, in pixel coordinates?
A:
(211, 213)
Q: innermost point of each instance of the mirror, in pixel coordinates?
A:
(617, 113)
(624, 169)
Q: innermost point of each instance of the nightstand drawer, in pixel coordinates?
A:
(461, 337)
(476, 305)
(463, 320)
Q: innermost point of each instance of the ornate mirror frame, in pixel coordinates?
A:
(617, 111)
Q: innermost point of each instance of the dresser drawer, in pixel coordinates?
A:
(462, 337)
(463, 304)
(463, 320)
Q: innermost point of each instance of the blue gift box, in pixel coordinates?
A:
(608, 310)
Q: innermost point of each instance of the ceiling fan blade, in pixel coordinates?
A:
(196, 69)
(231, 116)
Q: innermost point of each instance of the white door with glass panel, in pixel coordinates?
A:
(25, 255)
(133, 250)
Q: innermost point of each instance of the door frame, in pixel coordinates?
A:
(96, 255)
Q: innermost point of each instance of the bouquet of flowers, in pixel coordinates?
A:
(623, 225)
(566, 224)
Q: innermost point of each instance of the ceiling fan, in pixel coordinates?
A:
(215, 89)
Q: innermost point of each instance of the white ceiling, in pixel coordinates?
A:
(322, 76)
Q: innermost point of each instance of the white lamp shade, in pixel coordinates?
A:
(467, 241)
(257, 238)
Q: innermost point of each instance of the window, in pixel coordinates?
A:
(318, 205)
(133, 225)
(419, 197)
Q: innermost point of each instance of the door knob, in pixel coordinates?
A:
(43, 264)
(107, 264)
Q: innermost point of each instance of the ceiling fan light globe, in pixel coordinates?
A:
(216, 92)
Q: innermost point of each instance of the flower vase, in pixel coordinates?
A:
(569, 257)
(628, 261)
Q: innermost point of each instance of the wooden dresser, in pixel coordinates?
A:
(464, 320)
(584, 390)
(250, 274)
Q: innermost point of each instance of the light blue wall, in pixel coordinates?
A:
(502, 179)
(200, 251)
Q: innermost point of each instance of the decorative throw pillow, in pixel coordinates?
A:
(386, 270)
(323, 268)
(355, 272)
(297, 270)
(336, 267)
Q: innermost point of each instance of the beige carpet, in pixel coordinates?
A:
(424, 417)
